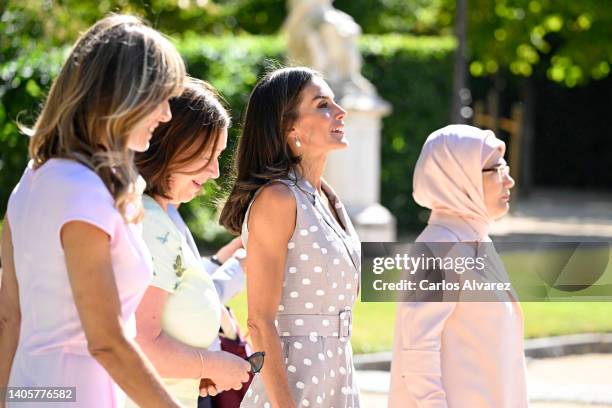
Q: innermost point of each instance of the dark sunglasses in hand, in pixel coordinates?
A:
(256, 360)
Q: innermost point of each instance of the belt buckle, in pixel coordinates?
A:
(345, 320)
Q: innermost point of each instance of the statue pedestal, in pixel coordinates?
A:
(355, 172)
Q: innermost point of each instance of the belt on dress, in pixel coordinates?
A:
(319, 325)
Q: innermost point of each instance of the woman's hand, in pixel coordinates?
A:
(90, 272)
(230, 249)
(225, 370)
(174, 359)
(207, 388)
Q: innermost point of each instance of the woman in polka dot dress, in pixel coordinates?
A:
(304, 255)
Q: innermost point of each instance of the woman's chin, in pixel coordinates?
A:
(184, 199)
(139, 147)
(339, 144)
(502, 211)
(191, 196)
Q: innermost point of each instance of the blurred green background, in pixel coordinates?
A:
(557, 51)
(562, 49)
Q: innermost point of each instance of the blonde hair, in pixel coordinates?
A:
(117, 73)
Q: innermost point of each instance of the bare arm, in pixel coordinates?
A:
(174, 359)
(10, 313)
(87, 252)
(271, 224)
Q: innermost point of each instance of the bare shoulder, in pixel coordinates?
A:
(274, 209)
(275, 198)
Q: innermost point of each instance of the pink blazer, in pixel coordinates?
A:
(457, 354)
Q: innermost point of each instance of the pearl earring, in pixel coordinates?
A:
(297, 143)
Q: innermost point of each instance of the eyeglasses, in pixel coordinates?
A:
(502, 170)
(256, 360)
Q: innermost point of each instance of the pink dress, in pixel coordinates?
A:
(52, 349)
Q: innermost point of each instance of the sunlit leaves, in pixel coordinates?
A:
(553, 23)
(564, 70)
(501, 34)
(477, 68)
(423, 17)
(33, 89)
(398, 143)
(583, 22)
(535, 6)
(491, 66)
(570, 38)
(601, 70)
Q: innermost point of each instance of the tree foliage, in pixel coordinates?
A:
(413, 73)
(570, 40)
(566, 41)
(60, 22)
(419, 17)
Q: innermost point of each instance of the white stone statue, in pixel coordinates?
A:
(321, 37)
(324, 38)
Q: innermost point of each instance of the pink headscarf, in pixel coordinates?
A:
(448, 174)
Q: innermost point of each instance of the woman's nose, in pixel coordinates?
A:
(341, 112)
(509, 182)
(214, 169)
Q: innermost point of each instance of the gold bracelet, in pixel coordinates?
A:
(201, 365)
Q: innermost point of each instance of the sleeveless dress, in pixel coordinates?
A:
(314, 318)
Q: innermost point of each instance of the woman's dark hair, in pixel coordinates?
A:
(263, 153)
(197, 120)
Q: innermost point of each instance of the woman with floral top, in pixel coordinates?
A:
(179, 317)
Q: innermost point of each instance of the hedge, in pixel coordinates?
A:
(412, 73)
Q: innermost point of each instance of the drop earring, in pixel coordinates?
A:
(297, 143)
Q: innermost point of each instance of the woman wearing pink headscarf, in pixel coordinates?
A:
(460, 354)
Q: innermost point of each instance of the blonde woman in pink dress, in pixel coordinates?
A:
(75, 265)
(460, 354)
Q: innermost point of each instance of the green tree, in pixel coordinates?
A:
(60, 22)
(566, 41)
(419, 17)
(570, 40)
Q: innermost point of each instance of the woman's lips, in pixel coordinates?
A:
(338, 133)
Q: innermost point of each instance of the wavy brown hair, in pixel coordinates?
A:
(116, 74)
(198, 117)
(263, 152)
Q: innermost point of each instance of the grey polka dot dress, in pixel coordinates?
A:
(314, 316)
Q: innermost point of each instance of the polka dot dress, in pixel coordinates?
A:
(315, 313)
